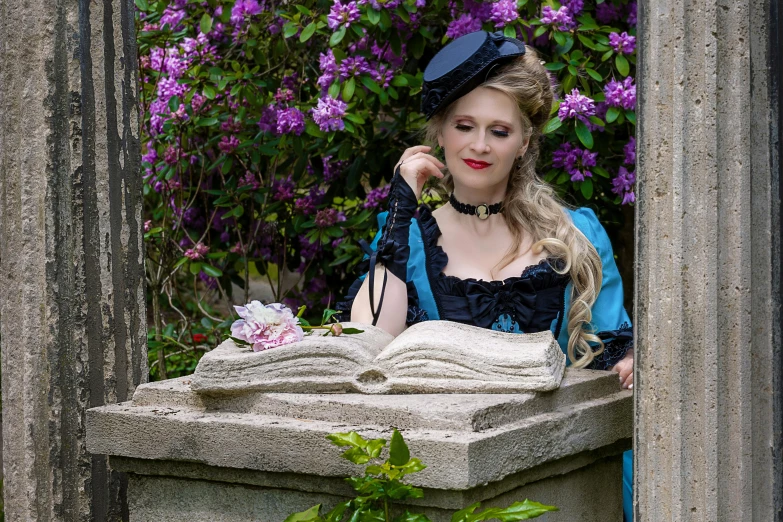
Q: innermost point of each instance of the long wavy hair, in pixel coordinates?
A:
(532, 207)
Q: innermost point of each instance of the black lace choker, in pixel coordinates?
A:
(483, 211)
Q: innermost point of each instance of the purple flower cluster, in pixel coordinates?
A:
(283, 190)
(244, 9)
(630, 151)
(228, 144)
(607, 12)
(342, 15)
(197, 252)
(577, 106)
(632, 13)
(327, 217)
(329, 112)
(622, 185)
(389, 5)
(333, 170)
(463, 25)
(328, 65)
(267, 122)
(561, 18)
(621, 94)
(353, 66)
(622, 43)
(575, 161)
(172, 16)
(575, 7)
(290, 120)
(504, 12)
(307, 205)
(376, 197)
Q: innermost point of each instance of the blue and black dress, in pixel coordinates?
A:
(536, 300)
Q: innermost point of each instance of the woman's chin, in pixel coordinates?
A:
(478, 179)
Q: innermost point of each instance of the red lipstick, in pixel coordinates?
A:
(476, 164)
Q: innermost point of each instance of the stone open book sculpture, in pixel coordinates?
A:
(429, 357)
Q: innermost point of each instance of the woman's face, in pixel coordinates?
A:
(484, 125)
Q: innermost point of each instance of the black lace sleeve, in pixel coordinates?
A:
(616, 345)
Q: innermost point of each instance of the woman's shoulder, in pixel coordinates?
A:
(586, 221)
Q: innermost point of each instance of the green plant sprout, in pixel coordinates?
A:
(381, 487)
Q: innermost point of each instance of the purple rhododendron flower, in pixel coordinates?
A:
(342, 15)
(575, 7)
(621, 94)
(268, 120)
(377, 196)
(228, 144)
(353, 66)
(478, 9)
(283, 190)
(607, 12)
(329, 112)
(326, 217)
(463, 25)
(632, 13)
(577, 106)
(561, 18)
(575, 161)
(290, 120)
(244, 8)
(630, 151)
(266, 326)
(622, 43)
(622, 185)
(172, 17)
(197, 252)
(504, 12)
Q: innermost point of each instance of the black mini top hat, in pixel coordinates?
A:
(463, 65)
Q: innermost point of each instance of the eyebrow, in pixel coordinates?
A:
(507, 124)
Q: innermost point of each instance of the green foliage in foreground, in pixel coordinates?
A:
(381, 487)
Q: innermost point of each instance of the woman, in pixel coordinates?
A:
(505, 253)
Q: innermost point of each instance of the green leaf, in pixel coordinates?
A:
(305, 516)
(611, 114)
(595, 120)
(399, 455)
(313, 129)
(336, 514)
(142, 5)
(356, 455)
(607, 55)
(182, 261)
(348, 89)
(510, 31)
(195, 267)
(334, 89)
(206, 23)
(399, 81)
(554, 66)
(622, 65)
(337, 37)
(354, 118)
(560, 38)
(240, 342)
(594, 75)
(631, 116)
(601, 172)
(587, 188)
(572, 71)
(206, 122)
(347, 439)
(370, 84)
(307, 32)
(463, 515)
(304, 10)
(211, 270)
(375, 446)
(516, 511)
(209, 92)
(174, 103)
(411, 517)
(583, 133)
(352, 331)
(290, 29)
(374, 16)
(539, 31)
(552, 125)
(328, 313)
(586, 41)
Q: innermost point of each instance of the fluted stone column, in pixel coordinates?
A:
(72, 312)
(708, 368)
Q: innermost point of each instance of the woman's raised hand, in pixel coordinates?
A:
(416, 166)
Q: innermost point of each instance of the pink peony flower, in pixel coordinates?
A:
(266, 326)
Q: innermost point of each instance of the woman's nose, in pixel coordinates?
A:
(480, 145)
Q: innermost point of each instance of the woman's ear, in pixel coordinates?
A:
(521, 151)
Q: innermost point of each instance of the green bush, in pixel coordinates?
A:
(270, 134)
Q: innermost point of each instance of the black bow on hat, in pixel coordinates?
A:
(463, 65)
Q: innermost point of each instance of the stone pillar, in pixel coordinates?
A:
(708, 367)
(72, 310)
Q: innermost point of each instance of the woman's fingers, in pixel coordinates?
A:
(410, 151)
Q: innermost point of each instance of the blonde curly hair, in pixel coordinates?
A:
(532, 207)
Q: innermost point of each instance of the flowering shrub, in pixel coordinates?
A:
(270, 132)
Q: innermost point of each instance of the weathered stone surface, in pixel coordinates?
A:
(429, 357)
(708, 382)
(494, 438)
(71, 269)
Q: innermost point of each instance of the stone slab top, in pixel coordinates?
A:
(429, 357)
(465, 439)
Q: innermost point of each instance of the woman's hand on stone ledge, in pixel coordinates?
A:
(625, 369)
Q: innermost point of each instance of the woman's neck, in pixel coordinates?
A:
(489, 195)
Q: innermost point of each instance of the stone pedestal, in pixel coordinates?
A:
(72, 310)
(263, 456)
(708, 359)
